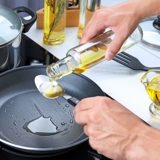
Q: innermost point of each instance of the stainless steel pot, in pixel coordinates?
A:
(4, 59)
(11, 28)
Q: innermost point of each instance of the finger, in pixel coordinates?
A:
(115, 46)
(83, 105)
(89, 33)
(91, 130)
(82, 117)
(85, 129)
(94, 26)
(100, 32)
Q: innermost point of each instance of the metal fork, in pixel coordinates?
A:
(131, 62)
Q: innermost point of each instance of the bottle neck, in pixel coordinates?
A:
(62, 68)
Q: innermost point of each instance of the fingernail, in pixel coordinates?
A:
(109, 55)
(82, 41)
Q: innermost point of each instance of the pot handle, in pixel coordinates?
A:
(27, 23)
(156, 23)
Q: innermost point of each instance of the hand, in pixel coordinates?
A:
(111, 128)
(122, 19)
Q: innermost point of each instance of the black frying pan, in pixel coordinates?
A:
(21, 104)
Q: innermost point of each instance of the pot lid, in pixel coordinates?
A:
(151, 35)
(10, 26)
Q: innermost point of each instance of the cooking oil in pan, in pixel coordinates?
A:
(42, 125)
(49, 90)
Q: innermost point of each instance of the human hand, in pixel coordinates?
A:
(111, 128)
(122, 19)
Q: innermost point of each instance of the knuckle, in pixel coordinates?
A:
(102, 101)
(100, 25)
(76, 118)
(82, 102)
(93, 117)
(97, 13)
(106, 102)
(93, 145)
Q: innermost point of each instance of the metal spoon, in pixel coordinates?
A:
(43, 80)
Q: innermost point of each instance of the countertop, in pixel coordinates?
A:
(119, 82)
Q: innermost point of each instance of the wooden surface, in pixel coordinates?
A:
(72, 17)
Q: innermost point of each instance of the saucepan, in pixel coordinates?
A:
(11, 28)
(31, 123)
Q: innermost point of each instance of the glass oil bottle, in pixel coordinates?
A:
(87, 8)
(54, 21)
(84, 56)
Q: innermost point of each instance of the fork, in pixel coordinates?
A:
(131, 62)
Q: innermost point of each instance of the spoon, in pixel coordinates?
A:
(51, 89)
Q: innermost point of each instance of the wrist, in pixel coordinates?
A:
(146, 8)
(145, 144)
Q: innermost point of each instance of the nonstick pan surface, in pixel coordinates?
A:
(32, 123)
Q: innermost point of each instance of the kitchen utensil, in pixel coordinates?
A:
(156, 23)
(41, 79)
(21, 104)
(151, 82)
(151, 35)
(131, 62)
(4, 59)
(11, 27)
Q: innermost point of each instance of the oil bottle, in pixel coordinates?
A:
(54, 21)
(84, 56)
(87, 8)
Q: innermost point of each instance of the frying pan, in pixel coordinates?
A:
(21, 104)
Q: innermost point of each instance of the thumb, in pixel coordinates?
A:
(115, 46)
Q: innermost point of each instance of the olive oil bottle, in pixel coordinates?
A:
(87, 9)
(54, 21)
(84, 56)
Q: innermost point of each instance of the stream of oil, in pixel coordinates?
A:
(42, 125)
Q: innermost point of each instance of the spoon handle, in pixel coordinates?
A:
(73, 101)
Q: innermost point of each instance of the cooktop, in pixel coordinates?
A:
(33, 54)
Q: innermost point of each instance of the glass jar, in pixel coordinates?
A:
(54, 21)
(84, 56)
(87, 8)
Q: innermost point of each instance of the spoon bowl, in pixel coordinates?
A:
(49, 89)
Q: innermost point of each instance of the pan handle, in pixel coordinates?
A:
(27, 23)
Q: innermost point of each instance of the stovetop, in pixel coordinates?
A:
(33, 54)
(81, 152)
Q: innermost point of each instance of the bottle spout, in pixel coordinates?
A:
(52, 72)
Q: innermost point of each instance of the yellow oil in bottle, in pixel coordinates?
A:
(54, 21)
(84, 56)
(153, 90)
(93, 56)
(51, 91)
(89, 58)
(80, 30)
